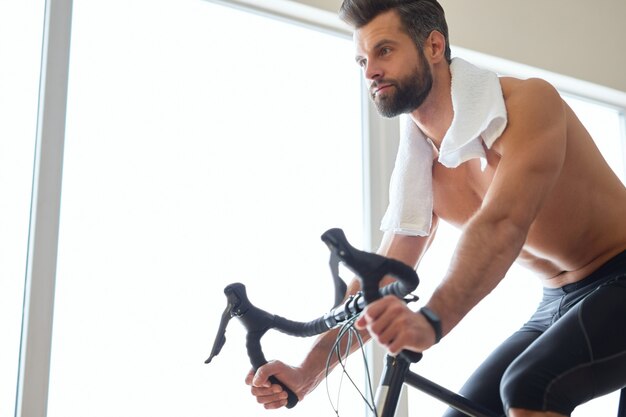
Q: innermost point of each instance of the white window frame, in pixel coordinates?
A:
(34, 367)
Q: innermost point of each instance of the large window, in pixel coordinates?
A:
(20, 54)
(605, 123)
(205, 146)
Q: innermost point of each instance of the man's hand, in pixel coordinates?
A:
(272, 396)
(395, 326)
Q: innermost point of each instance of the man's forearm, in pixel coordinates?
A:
(485, 252)
(315, 363)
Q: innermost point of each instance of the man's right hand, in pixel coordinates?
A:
(272, 396)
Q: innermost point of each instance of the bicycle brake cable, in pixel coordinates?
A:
(349, 330)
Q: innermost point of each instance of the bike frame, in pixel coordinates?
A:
(396, 374)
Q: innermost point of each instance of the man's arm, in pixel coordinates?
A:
(532, 151)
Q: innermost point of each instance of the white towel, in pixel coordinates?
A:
(479, 116)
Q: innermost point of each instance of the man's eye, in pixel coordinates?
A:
(361, 63)
(385, 51)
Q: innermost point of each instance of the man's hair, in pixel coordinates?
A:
(419, 17)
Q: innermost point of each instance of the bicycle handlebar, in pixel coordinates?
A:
(370, 269)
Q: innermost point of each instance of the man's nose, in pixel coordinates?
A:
(372, 71)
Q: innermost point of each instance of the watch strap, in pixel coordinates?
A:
(434, 321)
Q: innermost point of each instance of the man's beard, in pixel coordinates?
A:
(409, 95)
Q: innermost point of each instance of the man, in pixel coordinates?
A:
(545, 199)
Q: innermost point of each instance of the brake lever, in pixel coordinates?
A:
(230, 311)
(340, 286)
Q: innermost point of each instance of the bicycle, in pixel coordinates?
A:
(370, 269)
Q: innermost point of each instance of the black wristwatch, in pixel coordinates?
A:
(434, 321)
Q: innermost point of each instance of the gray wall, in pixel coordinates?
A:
(579, 38)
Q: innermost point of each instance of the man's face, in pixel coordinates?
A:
(398, 74)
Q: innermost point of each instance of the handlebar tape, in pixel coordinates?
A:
(300, 329)
(371, 268)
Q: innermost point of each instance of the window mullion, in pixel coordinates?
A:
(380, 144)
(622, 117)
(34, 365)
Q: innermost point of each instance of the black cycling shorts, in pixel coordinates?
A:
(573, 349)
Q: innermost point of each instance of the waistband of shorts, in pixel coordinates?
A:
(614, 266)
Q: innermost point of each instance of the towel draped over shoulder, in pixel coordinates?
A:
(479, 118)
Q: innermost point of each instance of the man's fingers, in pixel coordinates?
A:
(249, 377)
(271, 397)
(262, 375)
(374, 318)
(369, 314)
(266, 391)
(268, 394)
(276, 404)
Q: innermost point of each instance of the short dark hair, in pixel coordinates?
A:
(419, 17)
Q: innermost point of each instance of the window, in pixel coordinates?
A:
(20, 54)
(604, 123)
(204, 146)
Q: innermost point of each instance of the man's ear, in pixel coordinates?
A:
(435, 47)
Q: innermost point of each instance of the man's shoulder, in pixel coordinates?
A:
(516, 90)
(534, 107)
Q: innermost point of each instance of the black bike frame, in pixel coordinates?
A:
(396, 373)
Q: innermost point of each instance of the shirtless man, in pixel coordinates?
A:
(546, 200)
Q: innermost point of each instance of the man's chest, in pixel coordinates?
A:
(459, 192)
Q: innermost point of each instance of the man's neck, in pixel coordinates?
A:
(434, 116)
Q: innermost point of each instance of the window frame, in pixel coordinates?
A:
(34, 362)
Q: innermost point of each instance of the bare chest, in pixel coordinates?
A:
(459, 192)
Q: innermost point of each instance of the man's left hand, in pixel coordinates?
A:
(395, 326)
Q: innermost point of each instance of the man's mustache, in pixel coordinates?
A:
(376, 85)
